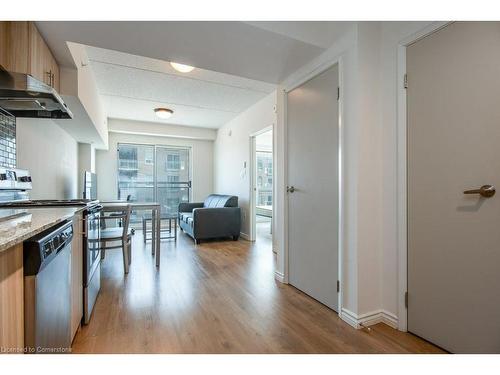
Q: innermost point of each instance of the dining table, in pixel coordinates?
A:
(155, 209)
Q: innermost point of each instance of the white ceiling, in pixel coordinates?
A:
(265, 51)
(318, 33)
(237, 63)
(132, 86)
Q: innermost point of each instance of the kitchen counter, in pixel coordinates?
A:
(17, 225)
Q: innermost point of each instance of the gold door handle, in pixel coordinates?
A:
(486, 191)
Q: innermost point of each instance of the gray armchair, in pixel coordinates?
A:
(218, 216)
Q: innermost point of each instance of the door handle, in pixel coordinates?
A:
(486, 191)
(290, 189)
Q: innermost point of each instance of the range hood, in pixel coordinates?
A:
(24, 96)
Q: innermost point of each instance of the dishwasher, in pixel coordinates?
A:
(47, 283)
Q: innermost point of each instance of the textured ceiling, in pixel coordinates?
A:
(132, 86)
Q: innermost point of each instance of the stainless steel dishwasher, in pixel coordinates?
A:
(47, 299)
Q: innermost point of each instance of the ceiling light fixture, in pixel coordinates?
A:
(163, 113)
(181, 67)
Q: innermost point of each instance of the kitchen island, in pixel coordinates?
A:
(17, 226)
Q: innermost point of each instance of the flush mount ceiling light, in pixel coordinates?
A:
(163, 113)
(181, 67)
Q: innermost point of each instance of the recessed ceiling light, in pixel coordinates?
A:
(181, 67)
(163, 113)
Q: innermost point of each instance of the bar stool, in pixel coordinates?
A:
(163, 217)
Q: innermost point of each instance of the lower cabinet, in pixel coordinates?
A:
(12, 300)
(77, 274)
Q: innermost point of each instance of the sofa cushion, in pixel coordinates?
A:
(218, 200)
(185, 216)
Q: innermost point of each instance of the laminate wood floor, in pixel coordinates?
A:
(218, 297)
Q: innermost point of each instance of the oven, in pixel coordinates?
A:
(91, 259)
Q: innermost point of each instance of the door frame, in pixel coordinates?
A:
(252, 159)
(338, 60)
(402, 187)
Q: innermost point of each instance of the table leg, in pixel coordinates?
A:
(153, 231)
(158, 237)
(175, 230)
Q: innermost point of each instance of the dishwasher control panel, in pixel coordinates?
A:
(42, 248)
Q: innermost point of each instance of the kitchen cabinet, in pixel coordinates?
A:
(3, 43)
(15, 46)
(77, 274)
(42, 64)
(12, 299)
(23, 50)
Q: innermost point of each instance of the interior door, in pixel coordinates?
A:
(454, 146)
(173, 177)
(313, 179)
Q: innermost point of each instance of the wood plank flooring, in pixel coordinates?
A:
(219, 297)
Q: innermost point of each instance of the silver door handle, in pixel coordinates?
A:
(290, 189)
(486, 191)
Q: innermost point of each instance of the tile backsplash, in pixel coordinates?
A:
(7, 140)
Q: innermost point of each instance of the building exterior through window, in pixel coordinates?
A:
(148, 173)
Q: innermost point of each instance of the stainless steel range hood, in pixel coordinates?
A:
(24, 96)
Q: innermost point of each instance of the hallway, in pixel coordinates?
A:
(218, 297)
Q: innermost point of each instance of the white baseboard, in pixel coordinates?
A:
(279, 276)
(350, 318)
(369, 319)
(245, 236)
(390, 319)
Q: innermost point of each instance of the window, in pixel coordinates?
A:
(264, 178)
(137, 180)
(135, 175)
(149, 157)
(173, 161)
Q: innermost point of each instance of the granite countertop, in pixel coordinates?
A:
(17, 225)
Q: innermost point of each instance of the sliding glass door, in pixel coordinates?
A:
(148, 173)
(136, 172)
(173, 181)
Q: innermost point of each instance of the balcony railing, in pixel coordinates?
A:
(128, 164)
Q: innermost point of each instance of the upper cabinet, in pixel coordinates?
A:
(42, 64)
(15, 46)
(23, 50)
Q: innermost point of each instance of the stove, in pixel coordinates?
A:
(15, 185)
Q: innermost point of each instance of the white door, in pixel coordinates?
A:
(454, 146)
(313, 148)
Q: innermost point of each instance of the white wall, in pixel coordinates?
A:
(202, 166)
(345, 49)
(161, 130)
(51, 155)
(232, 151)
(86, 162)
(369, 125)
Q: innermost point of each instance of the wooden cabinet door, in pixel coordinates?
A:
(14, 46)
(76, 274)
(3, 44)
(54, 69)
(43, 65)
(12, 299)
(39, 56)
